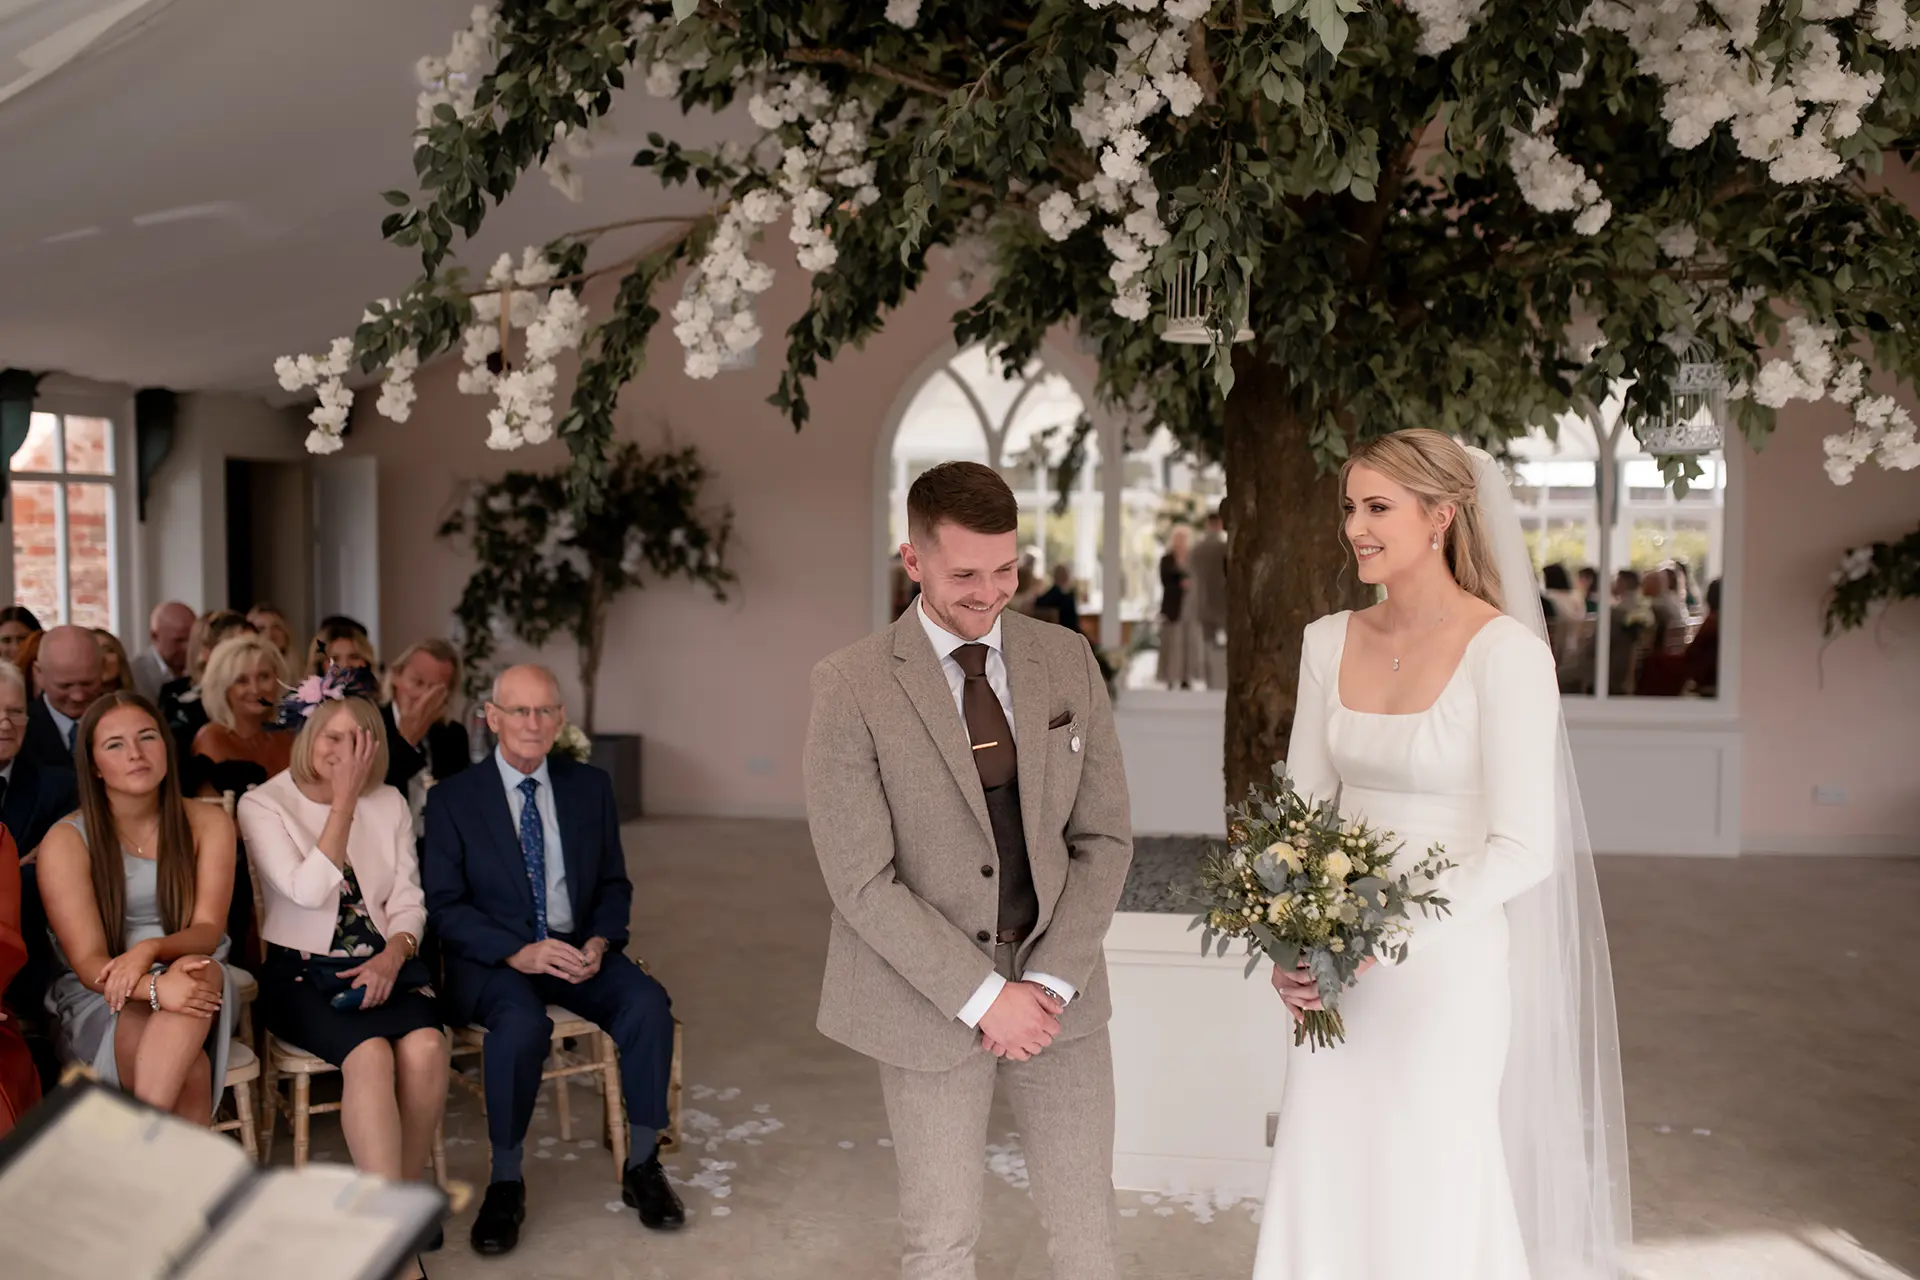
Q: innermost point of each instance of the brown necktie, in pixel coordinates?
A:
(987, 725)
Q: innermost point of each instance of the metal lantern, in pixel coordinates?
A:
(1693, 421)
(1188, 303)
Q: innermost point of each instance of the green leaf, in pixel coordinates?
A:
(1328, 23)
(398, 199)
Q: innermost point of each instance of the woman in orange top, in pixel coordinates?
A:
(241, 690)
(19, 1080)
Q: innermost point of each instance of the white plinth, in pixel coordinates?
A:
(1199, 1056)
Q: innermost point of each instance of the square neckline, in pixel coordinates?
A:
(1339, 659)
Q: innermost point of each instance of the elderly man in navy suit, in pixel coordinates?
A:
(527, 889)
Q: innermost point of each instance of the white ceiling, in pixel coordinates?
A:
(193, 186)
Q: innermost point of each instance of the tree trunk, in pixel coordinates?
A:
(1288, 565)
(592, 649)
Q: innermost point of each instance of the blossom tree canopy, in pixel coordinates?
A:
(1464, 214)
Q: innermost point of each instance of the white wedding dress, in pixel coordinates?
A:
(1389, 1162)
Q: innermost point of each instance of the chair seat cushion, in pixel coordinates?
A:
(241, 1064)
(566, 1024)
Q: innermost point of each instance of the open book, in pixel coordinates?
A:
(95, 1184)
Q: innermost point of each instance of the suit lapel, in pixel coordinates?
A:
(496, 815)
(920, 674)
(1027, 681)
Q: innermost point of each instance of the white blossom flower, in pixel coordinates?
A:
(904, 13)
(1679, 242)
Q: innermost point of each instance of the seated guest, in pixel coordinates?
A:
(241, 692)
(67, 674)
(115, 672)
(136, 887)
(28, 655)
(527, 890)
(1061, 599)
(1703, 651)
(169, 633)
(333, 847)
(19, 1078)
(180, 703)
(340, 643)
(32, 798)
(421, 687)
(16, 624)
(272, 624)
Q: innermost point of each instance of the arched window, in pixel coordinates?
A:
(1592, 500)
(1023, 426)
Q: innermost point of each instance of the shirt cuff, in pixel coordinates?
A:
(983, 997)
(1060, 986)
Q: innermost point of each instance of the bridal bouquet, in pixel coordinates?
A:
(1299, 882)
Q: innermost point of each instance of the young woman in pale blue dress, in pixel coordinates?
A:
(136, 887)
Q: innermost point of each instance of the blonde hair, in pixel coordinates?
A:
(324, 639)
(233, 658)
(366, 716)
(110, 644)
(440, 651)
(1438, 471)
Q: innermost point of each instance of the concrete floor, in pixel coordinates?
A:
(1770, 1022)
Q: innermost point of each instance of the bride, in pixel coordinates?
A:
(1470, 1127)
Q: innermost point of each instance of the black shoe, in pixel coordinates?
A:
(645, 1187)
(497, 1228)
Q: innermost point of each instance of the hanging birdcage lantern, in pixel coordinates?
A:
(1693, 419)
(1188, 304)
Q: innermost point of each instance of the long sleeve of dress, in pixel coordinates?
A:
(1521, 778)
(1309, 760)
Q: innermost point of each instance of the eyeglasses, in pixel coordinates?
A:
(526, 715)
(11, 716)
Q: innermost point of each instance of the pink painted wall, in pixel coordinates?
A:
(720, 691)
(1848, 715)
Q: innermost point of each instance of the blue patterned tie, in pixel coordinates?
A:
(533, 847)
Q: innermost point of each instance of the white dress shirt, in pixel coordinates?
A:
(559, 903)
(61, 721)
(944, 643)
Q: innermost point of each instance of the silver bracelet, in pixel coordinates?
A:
(153, 991)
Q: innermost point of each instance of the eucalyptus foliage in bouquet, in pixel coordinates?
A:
(1878, 572)
(545, 567)
(1298, 883)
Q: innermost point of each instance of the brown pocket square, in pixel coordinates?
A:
(1061, 721)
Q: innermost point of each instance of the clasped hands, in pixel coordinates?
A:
(559, 959)
(1022, 1021)
(191, 984)
(1300, 991)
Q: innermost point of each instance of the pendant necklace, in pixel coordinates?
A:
(1423, 635)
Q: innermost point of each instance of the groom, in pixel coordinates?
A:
(969, 811)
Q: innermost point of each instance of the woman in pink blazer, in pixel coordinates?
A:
(332, 846)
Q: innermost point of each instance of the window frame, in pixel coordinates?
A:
(1615, 445)
(122, 506)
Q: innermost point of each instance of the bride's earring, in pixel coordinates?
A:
(1436, 542)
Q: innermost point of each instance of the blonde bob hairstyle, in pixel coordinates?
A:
(366, 715)
(233, 658)
(1439, 472)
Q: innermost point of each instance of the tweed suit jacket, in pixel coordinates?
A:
(900, 826)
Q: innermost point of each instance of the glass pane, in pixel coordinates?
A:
(1665, 626)
(89, 554)
(89, 446)
(41, 452)
(36, 547)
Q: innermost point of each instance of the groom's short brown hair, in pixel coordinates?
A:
(969, 494)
